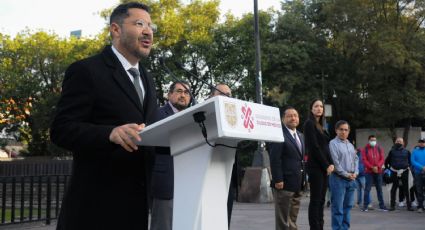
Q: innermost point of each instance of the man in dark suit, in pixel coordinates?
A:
(288, 172)
(163, 171)
(106, 100)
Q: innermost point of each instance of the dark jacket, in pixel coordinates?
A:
(398, 158)
(108, 186)
(286, 162)
(163, 170)
(317, 147)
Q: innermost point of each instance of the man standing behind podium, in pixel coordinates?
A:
(224, 90)
(221, 89)
(163, 171)
(106, 100)
(287, 167)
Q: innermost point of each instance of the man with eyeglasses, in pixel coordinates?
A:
(106, 100)
(342, 181)
(287, 166)
(163, 170)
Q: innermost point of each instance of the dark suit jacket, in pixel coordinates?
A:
(107, 189)
(317, 147)
(163, 170)
(286, 162)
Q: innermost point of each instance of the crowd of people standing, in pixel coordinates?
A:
(335, 164)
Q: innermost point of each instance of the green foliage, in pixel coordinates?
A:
(32, 66)
(3, 143)
(369, 54)
(381, 40)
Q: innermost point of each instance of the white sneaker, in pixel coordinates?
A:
(414, 204)
(401, 204)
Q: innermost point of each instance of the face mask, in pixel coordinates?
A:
(397, 145)
(372, 143)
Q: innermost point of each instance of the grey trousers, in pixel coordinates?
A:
(287, 206)
(162, 214)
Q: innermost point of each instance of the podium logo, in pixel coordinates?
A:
(248, 122)
(230, 113)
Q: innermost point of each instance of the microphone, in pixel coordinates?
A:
(180, 66)
(176, 79)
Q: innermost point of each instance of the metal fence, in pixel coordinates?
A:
(32, 190)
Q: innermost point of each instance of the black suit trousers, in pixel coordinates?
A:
(318, 186)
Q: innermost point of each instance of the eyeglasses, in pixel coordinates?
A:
(180, 91)
(144, 25)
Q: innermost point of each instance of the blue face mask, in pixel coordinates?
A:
(372, 143)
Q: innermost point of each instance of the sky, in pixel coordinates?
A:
(64, 16)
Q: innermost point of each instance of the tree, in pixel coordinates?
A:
(32, 67)
(381, 43)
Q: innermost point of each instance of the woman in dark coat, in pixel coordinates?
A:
(319, 164)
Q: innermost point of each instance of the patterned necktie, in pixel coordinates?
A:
(136, 74)
(298, 141)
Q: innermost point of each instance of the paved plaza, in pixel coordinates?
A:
(261, 217)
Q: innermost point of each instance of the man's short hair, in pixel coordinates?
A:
(173, 85)
(371, 136)
(121, 11)
(284, 109)
(341, 122)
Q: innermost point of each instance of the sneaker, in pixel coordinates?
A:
(383, 209)
(370, 207)
(420, 210)
(364, 209)
(414, 204)
(401, 204)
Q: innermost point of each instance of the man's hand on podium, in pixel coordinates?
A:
(125, 135)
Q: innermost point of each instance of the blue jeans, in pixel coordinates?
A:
(419, 183)
(361, 184)
(370, 179)
(342, 200)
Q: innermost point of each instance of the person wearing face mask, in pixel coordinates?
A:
(418, 164)
(373, 159)
(398, 161)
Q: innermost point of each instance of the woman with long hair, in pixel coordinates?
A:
(319, 164)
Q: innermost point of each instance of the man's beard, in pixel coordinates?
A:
(179, 107)
(133, 48)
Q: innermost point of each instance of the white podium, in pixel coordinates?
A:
(202, 173)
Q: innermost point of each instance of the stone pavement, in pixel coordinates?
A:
(261, 217)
